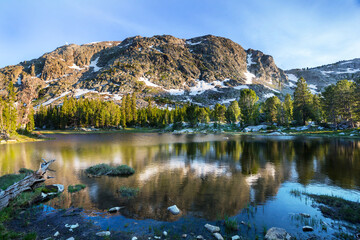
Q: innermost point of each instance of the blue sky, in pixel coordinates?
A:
(297, 33)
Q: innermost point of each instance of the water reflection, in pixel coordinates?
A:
(204, 175)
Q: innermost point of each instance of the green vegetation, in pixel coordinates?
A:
(230, 224)
(105, 169)
(9, 179)
(11, 115)
(76, 188)
(337, 104)
(128, 192)
(337, 208)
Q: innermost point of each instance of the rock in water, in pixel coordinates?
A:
(307, 229)
(103, 234)
(115, 209)
(275, 233)
(212, 228)
(56, 234)
(218, 236)
(134, 238)
(174, 210)
(236, 237)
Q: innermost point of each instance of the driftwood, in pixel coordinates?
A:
(25, 184)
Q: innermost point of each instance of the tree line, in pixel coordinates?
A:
(9, 117)
(337, 103)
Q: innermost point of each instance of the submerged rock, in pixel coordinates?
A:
(305, 215)
(184, 235)
(275, 233)
(212, 228)
(134, 238)
(200, 237)
(307, 229)
(115, 209)
(218, 236)
(236, 237)
(103, 234)
(56, 234)
(174, 210)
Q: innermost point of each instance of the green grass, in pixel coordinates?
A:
(9, 179)
(337, 208)
(128, 192)
(230, 224)
(105, 169)
(76, 188)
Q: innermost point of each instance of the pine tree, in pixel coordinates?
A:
(31, 124)
(233, 112)
(302, 102)
(345, 99)
(219, 113)
(123, 112)
(288, 108)
(133, 108)
(249, 106)
(317, 111)
(271, 109)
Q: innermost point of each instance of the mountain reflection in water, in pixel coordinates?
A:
(204, 175)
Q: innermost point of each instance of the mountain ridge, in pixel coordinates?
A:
(205, 69)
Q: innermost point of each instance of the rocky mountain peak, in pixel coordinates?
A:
(205, 70)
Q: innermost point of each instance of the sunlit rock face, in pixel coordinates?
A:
(206, 70)
(320, 77)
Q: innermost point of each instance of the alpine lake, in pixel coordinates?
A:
(257, 182)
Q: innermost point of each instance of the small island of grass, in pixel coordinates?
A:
(76, 188)
(106, 169)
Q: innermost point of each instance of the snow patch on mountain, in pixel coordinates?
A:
(74, 66)
(249, 77)
(292, 77)
(241, 87)
(94, 63)
(249, 61)
(268, 95)
(48, 102)
(80, 92)
(192, 44)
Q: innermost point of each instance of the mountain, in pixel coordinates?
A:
(320, 77)
(205, 70)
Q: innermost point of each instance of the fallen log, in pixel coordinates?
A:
(25, 184)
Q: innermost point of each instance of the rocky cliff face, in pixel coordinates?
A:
(320, 77)
(204, 70)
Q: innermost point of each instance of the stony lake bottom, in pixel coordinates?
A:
(249, 179)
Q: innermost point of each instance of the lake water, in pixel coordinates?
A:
(206, 176)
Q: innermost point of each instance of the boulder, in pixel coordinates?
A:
(307, 229)
(212, 228)
(236, 237)
(103, 234)
(174, 210)
(115, 209)
(218, 236)
(275, 233)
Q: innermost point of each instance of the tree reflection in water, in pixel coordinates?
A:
(204, 175)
